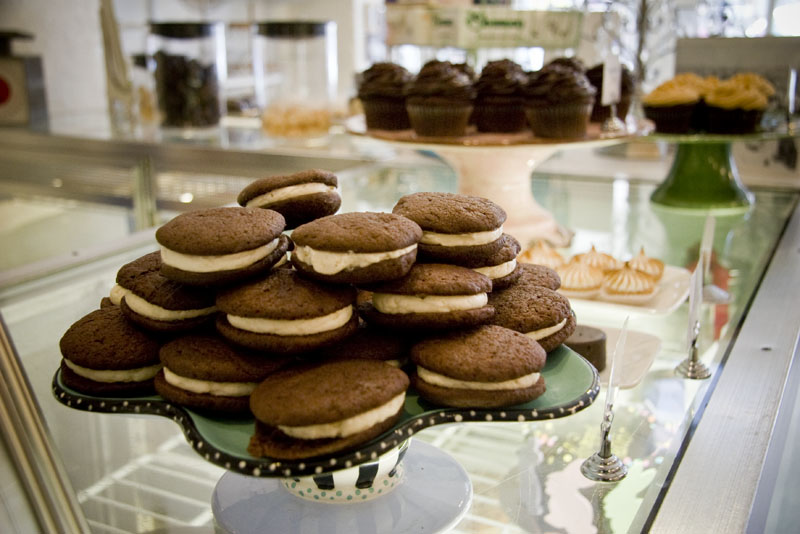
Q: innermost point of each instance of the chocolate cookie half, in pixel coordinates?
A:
(538, 312)
(287, 314)
(432, 296)
(369, 343)
(157, 303)
(300, 197)
(455, 228)
(356, 248)
(221, 245)
(486, 367)
(539, 275)
(206, 373)
(325, 408)
(106, 355)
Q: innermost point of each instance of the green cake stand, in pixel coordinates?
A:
(704, 176)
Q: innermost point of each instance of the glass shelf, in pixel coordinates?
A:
(525, 476)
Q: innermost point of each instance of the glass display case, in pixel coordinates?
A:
(696, 450)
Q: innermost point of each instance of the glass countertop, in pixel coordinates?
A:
(526, 476)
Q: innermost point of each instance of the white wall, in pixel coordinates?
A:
(68, 39)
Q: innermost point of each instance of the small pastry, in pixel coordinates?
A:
(628, 285)
(599, 260)
(650, 266)
(580, 280)
(542, 254)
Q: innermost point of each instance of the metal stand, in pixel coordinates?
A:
(604, 466)
(692, 367)
(613, 124)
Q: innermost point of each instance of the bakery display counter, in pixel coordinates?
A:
(688, 445)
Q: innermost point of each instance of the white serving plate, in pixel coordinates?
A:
(637, 357)
(672, 290)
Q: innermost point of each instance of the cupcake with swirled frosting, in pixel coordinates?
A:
(671, 106)
(381, 93)
(499, 103)
(627, 285)
(754, 81)
(580, 280)
(647, 265)
(734, 107)
(440, 100)
(541, 253)
(558, 102)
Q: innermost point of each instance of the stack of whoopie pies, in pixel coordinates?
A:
(320, 334)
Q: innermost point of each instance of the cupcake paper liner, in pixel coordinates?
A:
(439, 120)
(671, 119)
(385, 113)
(566, 121)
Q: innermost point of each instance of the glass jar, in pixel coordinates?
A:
(190, 67)
(296, 73)
(144, 94)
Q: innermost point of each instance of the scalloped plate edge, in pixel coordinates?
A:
(267, 467)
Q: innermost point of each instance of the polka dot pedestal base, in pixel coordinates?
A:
(353, 484)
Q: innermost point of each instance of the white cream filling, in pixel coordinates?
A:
(396, 304)
(347, 427)
(222, 262)
(544, 332)
(498, 271)
(327, 262)
(461, 240)
(116, 294)
(281, 261)
(140, 374)
(290, 191)
(220, 389)
(293, 327)
(436, 379)
(157, 313)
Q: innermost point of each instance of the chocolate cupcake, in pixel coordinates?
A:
(672, 107)
(498, 102)
(734, 108)
(381, 93)
(558, 102)
(439, 100)
(600, 112)
(570, 63)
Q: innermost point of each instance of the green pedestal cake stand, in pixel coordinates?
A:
(704, 176)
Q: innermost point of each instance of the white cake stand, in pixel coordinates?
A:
(499, 167)
(434, 494)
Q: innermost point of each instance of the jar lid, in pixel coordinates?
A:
(5, 40)
(182, 30)
(292, 29)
